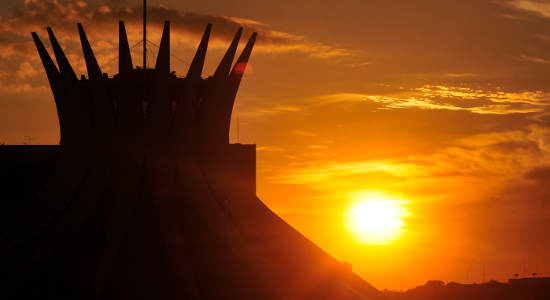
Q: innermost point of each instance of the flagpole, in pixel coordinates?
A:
(144, 34)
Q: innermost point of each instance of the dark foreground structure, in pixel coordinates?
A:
(145, 198)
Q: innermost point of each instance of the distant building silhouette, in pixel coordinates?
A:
(146, 198)
(514, 289)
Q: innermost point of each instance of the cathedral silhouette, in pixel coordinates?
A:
(145, 198)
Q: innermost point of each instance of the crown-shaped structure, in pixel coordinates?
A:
(148, 199)
(183, 110)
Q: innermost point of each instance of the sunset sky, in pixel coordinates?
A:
(440, 106)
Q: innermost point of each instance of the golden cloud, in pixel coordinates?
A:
(537, 7)
(438, 97)
(477, 165)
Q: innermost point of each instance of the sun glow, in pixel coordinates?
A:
(377, 219)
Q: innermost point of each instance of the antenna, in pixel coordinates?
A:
(144, 34)
(238, 128)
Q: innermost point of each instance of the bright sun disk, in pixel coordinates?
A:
(377, 219)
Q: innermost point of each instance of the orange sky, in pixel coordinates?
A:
(443, 103)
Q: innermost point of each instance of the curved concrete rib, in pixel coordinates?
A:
(225, 65)
(216, 107)
(62, 61)
(59, 192)
(230, 90)
(195, 70)
(163, 58)
(124, 57)
(97, 181)
(49, 66)
(240, 66)
(94, 71)
(54, 78)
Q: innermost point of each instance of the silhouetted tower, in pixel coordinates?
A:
(148, 199)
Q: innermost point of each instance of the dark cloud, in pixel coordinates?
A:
(101, 16)
(100, 19)
(523, 147)
(539, 174)
(428, 39)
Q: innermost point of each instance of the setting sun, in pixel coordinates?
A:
(377, 219)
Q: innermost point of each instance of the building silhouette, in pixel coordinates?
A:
(536, 288)
(145, 198)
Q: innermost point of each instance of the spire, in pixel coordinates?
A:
(234, 81)
(240, 66)
(144, 34)
(124, 57)
(195, 70)
(49, 65)
(64, 65)
(225, 64)
(53, 77)
(163, 58)
(94, 71)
